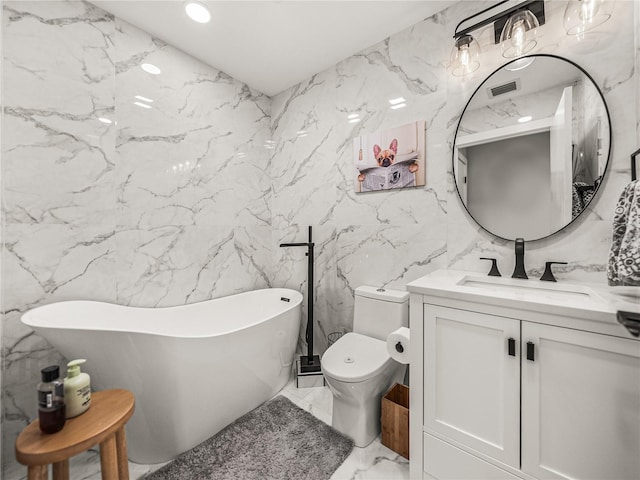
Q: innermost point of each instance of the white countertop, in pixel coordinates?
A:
(594, 303)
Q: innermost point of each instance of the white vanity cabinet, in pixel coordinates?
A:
(504, 386)
(580, 404)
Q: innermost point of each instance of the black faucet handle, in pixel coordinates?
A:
(494, 272)
(547, 276)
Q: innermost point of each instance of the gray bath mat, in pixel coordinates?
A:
(277, 440)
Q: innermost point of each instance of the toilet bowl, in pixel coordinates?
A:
(358, 368)
(358, 371)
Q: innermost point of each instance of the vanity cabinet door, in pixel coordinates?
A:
(580, 405)
(472, 380)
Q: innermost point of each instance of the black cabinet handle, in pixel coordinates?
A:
(531, 351)
(631, 320)
(512, 347)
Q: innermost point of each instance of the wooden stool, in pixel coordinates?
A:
(102, 424)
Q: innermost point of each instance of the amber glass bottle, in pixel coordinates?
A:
(51, 411)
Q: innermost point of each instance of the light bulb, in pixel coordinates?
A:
(464, 56)
(588, 11)
(517, 39)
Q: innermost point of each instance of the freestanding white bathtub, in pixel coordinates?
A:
(193, 369)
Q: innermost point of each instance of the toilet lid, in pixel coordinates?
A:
(355, 358)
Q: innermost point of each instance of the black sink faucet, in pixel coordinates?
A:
(519, 271)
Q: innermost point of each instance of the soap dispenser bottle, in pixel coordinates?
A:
(77, 389)
(51, 408)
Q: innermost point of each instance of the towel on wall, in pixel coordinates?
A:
(624, 256)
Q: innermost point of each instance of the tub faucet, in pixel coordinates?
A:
(519, 271)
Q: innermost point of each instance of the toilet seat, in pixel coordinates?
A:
(355, 358)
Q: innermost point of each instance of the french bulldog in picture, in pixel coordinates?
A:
(386, 158)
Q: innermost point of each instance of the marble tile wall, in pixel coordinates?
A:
(162, 206)
(390, 238)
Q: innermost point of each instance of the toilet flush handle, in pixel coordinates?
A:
(399, 347)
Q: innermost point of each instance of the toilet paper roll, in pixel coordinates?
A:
(398, 345)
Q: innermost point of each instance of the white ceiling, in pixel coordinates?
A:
(272, 45)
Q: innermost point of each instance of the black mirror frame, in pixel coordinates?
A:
(606, 167)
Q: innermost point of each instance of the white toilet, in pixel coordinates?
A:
(358, 368)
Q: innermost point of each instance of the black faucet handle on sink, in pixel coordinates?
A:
(547, 276)
(494, 272)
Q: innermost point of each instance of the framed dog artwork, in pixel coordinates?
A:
(390, 159)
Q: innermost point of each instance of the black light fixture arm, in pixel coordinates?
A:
(482, 23)
(500, 18)
(310, 363)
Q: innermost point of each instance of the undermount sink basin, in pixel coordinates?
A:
(536, 288)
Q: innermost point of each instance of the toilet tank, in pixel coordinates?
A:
(378, 312)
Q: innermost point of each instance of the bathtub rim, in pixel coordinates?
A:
(27, 318)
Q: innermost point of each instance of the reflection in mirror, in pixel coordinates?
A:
(531, 148)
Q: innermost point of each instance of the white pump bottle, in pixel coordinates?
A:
(77, 389)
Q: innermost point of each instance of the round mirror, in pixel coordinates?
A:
(531, 147)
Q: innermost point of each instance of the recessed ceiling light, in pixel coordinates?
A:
(150, 68)
(396, 101)
(104, 120)
(143, 105)
(399, 105)
(197, 12)
(144, 99)
(525, 119)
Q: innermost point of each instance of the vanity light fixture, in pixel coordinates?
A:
(150, 68)
(464, 56)
(519, 35)
(580, 16)
(515, 26)
(197, 11)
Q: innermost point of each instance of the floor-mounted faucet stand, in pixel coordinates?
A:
(309, 362)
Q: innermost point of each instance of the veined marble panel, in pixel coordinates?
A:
(186, 154)
(176, 265)
(58, 157)
(303, 161)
